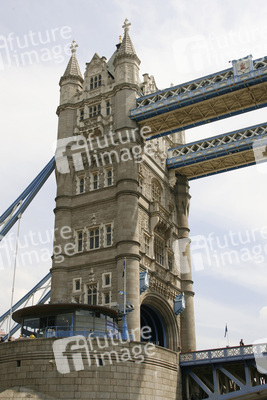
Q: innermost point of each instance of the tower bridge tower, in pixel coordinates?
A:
(121, 216)
(117, 201)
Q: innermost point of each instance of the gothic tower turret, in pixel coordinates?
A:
(116, 202)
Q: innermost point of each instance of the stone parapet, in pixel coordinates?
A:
(130, 370)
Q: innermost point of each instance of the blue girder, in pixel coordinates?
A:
(11, 215)
(201, 372)
(199, 90)
(25, 298)
(17, 326)
(215, 147)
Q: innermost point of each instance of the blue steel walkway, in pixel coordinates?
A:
(225, 373)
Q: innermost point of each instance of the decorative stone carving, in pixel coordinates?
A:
(162, 288)
(172, 178)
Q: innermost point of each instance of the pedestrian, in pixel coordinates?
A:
(241, 343)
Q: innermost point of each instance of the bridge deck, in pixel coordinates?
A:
(204, 100)
(220, 153)
(225, 373)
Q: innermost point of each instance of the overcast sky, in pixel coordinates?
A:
(176, 41)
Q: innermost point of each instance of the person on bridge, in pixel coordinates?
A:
(241, 343)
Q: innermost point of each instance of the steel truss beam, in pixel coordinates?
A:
(204, 100)
(220, 153)
(224, 374)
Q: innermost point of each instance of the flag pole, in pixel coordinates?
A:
(124, 326)
(124, 287)
(226, 334)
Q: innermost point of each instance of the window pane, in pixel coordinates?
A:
(81, 185)
(80, 241)
(107, 280)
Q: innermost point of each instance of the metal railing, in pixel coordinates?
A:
(199, 86)
(221, 144)
(69, 331)
(226, 353)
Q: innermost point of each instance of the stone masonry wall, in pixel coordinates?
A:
(28, 370)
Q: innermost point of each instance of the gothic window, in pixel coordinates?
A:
(95, 81)
(94, 110)
(106, 298)
(106, 279)
(108, 235)
(94, 242)
(77, 285)
(108, 177)
(156, 191)
(108, 108)
(79, 241)
(146, 243)
(92, 295)
(159, 250)
(81, 185)
(95, 180)
(81, 115)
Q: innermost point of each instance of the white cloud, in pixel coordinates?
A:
(212, 316)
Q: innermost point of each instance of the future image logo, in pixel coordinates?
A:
(34, 47)
(78, 352)
(112, 147)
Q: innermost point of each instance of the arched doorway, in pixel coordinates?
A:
(150, 317)
(159, 316)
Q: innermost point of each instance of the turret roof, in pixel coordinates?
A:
(73, 68)
(126, 47)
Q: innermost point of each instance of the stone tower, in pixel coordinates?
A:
(120, 217)
(117, 201)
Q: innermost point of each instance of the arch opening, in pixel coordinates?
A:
(157, 314)
(151, 318)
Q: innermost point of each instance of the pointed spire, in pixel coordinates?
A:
(73, 69)
(126, 46)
